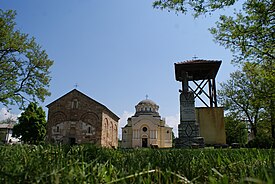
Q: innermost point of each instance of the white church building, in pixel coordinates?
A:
(146, 128)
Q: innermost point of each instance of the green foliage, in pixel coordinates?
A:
(264, 128)
(32, 125)
(240, 96)
(261, 141)
(236, 131)
(90, 164)
(263, 75)
(250, 34)
(249, 95)
(24, 65)
(199, 7)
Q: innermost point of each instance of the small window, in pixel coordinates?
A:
(89, 129)
(144, 129)
(57, 129)
(168, 131)
(75, 104)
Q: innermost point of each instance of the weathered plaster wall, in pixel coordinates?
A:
(211, 123)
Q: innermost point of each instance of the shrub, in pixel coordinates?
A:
(261, 141)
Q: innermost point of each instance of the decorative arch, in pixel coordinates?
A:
(105, 131)
(92, 123)
(111, 131)
(106, 126)
(144, 124)
(90, 118)
(144, 129)
(144, 136)
(58, 117)
(115, 132)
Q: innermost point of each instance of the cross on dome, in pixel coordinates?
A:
(195, 57)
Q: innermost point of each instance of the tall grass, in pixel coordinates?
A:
(90, 164)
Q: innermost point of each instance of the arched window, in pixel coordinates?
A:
(75, 104)
(115, 133)
(106, 128)
(111, 131)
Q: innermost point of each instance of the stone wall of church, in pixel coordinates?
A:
(76, 119)
(109, 131)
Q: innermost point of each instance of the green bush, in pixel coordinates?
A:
(236, 131)
(261, 141)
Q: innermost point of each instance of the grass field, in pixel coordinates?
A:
(90, 164)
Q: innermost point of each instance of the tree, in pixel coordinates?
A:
(32, 125)
(264, 76)
(199, 7)
(236, 131)
(251, 37)
(249, 34)
(24, 65)
(239, 95)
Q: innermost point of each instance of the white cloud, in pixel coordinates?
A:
(5, 114)
(173, 121)
(123, 121)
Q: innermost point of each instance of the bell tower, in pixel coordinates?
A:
(200, 73)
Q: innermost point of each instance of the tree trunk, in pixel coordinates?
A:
(272, 119)
(273, 131)
(254, 130)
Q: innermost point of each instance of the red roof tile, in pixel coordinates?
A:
(198, 61)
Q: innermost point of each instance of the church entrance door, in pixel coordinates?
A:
(72, 141)
(144, 142)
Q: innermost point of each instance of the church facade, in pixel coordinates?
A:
(76, 118)
(146, 128)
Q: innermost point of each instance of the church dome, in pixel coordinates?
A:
(147, 107)
(147, 102)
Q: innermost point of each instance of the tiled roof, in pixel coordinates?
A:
(199, 69)
(198, 61)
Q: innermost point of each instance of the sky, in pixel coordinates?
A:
(117, 52)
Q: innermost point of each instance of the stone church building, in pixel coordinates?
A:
(76, 118)
(146, 128)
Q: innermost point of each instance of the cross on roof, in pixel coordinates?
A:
(146, 96)
(195, 57)
(76, 85)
